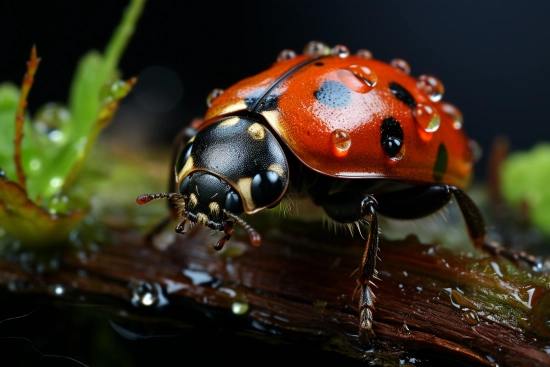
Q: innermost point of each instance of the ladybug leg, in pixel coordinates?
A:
(367, 270)
(477, 230)
(351, 207)
(179, 142)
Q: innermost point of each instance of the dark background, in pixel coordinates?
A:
(492, 56)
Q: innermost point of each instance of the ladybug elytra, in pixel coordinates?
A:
(358, 136)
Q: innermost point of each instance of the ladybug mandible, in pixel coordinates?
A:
(359, 136)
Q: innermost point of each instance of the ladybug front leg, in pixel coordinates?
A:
(352, 207)
(178, 144)
(367, 270)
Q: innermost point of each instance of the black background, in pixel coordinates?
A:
(492, 56)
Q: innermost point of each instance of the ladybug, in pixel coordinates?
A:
(358, 136)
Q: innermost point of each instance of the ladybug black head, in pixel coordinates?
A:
(233, 165)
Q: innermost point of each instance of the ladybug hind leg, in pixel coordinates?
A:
(477, 230)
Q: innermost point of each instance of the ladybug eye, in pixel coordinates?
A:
(266, 187)
(184, 156)
(184, 185)
(233, 203)
(391, 136)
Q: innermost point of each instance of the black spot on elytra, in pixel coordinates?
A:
(333, 94)
(319, 63)
(402, 94)
(440, 166)
(267, 103)
(391, 136)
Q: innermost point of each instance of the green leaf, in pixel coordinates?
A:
(526, 177)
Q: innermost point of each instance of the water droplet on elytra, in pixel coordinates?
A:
(364, 54)
(399, 156)
(455, 114)
(402, 65)
(364, 73)
(431, 86)
(426, 116)
(358, 78)
(340, 50)
(286, 55)
(342, 141)
(213, 95)
(316, 48)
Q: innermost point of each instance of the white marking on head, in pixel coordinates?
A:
(244, 186)
(256, 131)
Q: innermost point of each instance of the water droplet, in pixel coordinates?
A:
(470, 316)
(530, 293)
(51, 117)
(59, 290)
(316, 48)
(455, 114)
(35, 164)
(364, 54)
(58, 204)
(340, 50)
(399, 156)
(476, 149)
(56, 136)
(431, 86)
(239, 307)
(426, 117)
(342, 141)
(496, 268)
(286, 55)
(197, 277)
(56, 182)
(213, 95)
(358, 78)
(144, 294)
(402, 65)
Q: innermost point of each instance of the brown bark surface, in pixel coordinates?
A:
(300, 284)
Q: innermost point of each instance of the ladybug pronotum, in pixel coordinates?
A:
(358, 136)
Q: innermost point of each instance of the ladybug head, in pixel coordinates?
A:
(233, 166)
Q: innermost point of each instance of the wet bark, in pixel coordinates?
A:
(300, 285)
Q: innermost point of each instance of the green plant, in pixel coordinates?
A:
(42, 155)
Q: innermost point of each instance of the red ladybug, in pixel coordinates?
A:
(358, 136)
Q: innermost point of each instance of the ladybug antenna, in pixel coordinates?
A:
(145, 198)
(254, 236)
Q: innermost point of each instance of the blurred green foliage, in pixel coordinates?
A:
(56, 141)
(526, 178)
